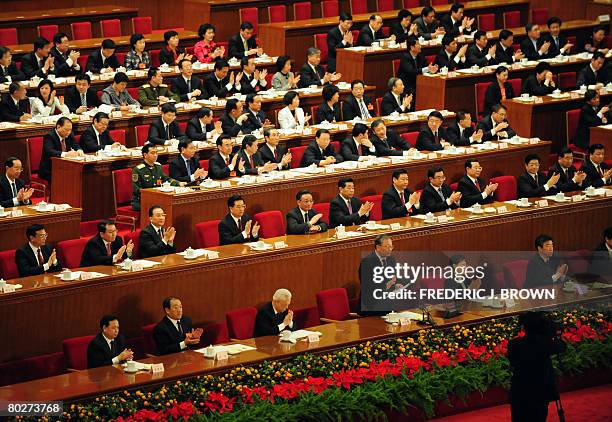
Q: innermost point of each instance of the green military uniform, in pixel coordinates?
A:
(145, 176)
(148, 95)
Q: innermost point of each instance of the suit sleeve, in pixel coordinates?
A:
(216, 171)
(294, 226)
(163, 342)
(347, 152)
(176, 172)
(309, 158)
(226, 236)
(96, 356)
(425, 142)
(155, 136)
(264, 325)
(24, 266)
(193, 134)
(338, 217)
(49, 148)
(390, 209)
(92, 256)
(149, 248)
(526, 190)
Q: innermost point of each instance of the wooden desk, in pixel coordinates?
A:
(547, 119)
(602, 135)
(239, 277)
(294, 38)
(27, 22)
(60, 225)
(185, 210)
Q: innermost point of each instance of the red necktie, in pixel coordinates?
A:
(600, 171)
(360, 150)
(252, 162)
(477, 185)
(402, 198)
(63, 143)
(240, 224)
(275, 155)
(436, 137)
(108, 249)
(41, 260)
(348, 204)
(227, 161)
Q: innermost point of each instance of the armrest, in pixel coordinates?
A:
(328, 320)
(126, 220)
(39, 187)
(72, 370)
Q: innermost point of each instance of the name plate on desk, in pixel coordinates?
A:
(533, 141)
(84, 118)
(226, 184)
(538, 100)
(574, 95)
(395, 226)
(17, 213)
(329, 169)
(607, 192)
(313, 338)
(137, 266)
(404, 321)
(542, 203)
(222, 355)
(432, 156)
(157, 368)
(86, 276)
(343, 127)
(213, 255)
(576, 198)
(8, 288)
(280, 245)
(503, 145)
(442, 219)
(470, 150)
(116, 114)
(502, 209)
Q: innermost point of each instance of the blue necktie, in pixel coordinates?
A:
(188, 168)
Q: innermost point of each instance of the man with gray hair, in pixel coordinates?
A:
(312, 73)
(275, 316)
(396, 100)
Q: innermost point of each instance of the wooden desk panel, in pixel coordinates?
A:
(185, 210)
(209, 288)
(602, 135)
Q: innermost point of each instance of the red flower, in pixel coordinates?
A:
(284, 391)
(346, 378)
(441, 359)
(461, 355)
(184, 410)
(319, 384)
(219, 402)
(148, 415)
(412, 364)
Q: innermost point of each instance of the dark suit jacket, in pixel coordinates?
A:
(178, 170)
(309, 77)
(94, 62)
(9, 112)
(248, 168)
(529, 50)
(389, 104)
(493, 96)
(229, 125)
(53, 148)
(72, 98)
(157, 133)
(350, 108)
(61, 67)
(151, 244)
(235, 47)
(94, 252)
(593, 177)
(6, 193)
(526, 186)
(368, 305)
(339, 212)
(166, 56)
(267, 321)
(601, 264)
(431, 201)
(393, 145)
(13, 72)
(229, 232)
(167, 337)
(31, 67)
(454, 137)
(504, 56)
(267, 155)
(588, 118)
(453, 29)
(312, 154)
(426, 141)
(216, 88)
(475, 56)
(442, 60)
(89, 143)
(555, 49)
(409, 69)
(334, 41)
(366, 37)
(180, 88)
(425, 30)
(533, 87)
(27, 262)
(400, 33)
(539, 273)
(99, 353)
(324, 112)
(486, 124)
(350, 152)
(245, 85)
(217, 168)
(470, 194)
(392, 206)
(194, 130)
(251, 123)
(296, 223)
(565, 183)
(587, 77)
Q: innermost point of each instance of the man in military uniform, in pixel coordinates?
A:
(148, 175)
(155, 92)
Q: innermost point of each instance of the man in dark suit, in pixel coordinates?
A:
(598, 173)
(474, 189)
(59, 142)
(35, 257)
(97, 136)
(427, 26)
(201, 127)
(504, 52)
(481, 53)
(455, 23)
(303, 219)
(8, 68)
(175, 331)
(495, 126)
(103, 60)
(399, 201)
(223, 164)
(540, 82)
(531, 46)
(339, 37)
(244, 43)
(494, 94)
(253, 163)
(13, 192)
(187, 86)
(544, 269)
(81, 97)
(155, 239)
(233, 118)
(437, 195)
(108, 347)
(253, 80)
(320, 151)
(275, 316)
(312, 73)
(533, 182)
(346, 209)
(220, 83)
(451, 56)
(558, 43)
(461, 132)
(386, 141)
(371, 32)
(396, 100)
(569, 179)
(38, 62)
(185, 167)
(432, 136)
(15, 106)
(413, 63)
(404, 28)
(236, 226)
(65, 61)
(372, 270)
(256, 118)
(592, 73)
(590, 115)
(357, 145)
(165, 127)
(601, 258)
(105, 248)
(272, 152)
(358, 104)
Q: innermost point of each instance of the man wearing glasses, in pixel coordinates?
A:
(35, 257)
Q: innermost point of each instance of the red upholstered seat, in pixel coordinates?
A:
(272, 224)
(277, 13)
(411, 3)
(454, 186)
(250, 14)
(313, 110)
(306, 317)
(359, 6)
(241, 322)
(376, 212)
(135, 238)
(329, 8)
(154, 58)
(320, 41)
(302, 10)
(567, 80)
(378, 106)
(539, 16)
(132, 91)
(142, 25)
(110, 28)
(75, 351)
(335, 145)
(122, 192)
(83, 61)
(322, 208)
(204, 164)
(515, 273)
(410, 137)
(207, 233)
(506, 190)
(47, 31)
(430, 59)
(384, 5)
(8, 36)
(578, 261)
(147, 339)
(296, 156)
(333, 304)
(81, 30)
(69, 252)
(214, 333)
(512, 19)
(117, 135)
(8, 268)
(516, 85)
(35, 146)
(36, 367)
(480, 90)
(486, 22)
(396, 65)
(142, 134)
(439, 2)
